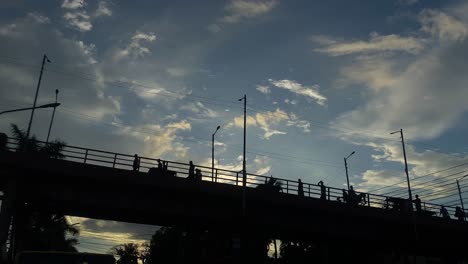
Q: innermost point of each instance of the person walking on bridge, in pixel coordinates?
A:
(417, 204)
(191, 171)
(323, 191)
(300, 188)
(136, 163)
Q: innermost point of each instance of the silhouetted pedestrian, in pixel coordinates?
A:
(191, 171)
(198, 175)
(136, 163)
(444, 213)
(417, 204)
(352, 194)
(323, 190)
(459, 214)
(300, 188)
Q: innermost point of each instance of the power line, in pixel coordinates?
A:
(422, 176)
(439, 180)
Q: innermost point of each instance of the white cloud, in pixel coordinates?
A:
(263, 89)
(376, 43)
(214, 28)
(161, 141)
(7, 30)
(73, 4)
(200, 109)
(443, 26)
(136, 49)
(311, 92)
(422, 94)
(269, 121)
(79, 20)
(239, 9)
(103, 9)
(38, 18)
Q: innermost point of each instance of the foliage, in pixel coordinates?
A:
(127, 253)
(32, 145)
(44, 230)
(49, 232)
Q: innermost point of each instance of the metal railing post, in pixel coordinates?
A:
(237, 178)
(309, 190)
(86, 156)
(115, 159)
(368, 199)
(287, 186)
(328, 191)
(216, 175)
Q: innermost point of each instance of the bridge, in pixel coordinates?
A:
(100, 184)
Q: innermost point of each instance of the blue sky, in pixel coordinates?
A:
(323, 79)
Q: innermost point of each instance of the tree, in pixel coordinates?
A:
(127, 253)
(272, 184)
(44, 230)
(32, 145)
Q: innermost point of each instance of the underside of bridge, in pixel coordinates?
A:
(33, 183)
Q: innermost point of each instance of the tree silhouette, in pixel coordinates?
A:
(32, 145)
(127, 253)
(44, 230)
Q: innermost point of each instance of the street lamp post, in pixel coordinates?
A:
(406, 167)
(212, 152)
(52, 118)
(31, 108)
(460, 194)
(346, 167)
(244, 172)
(44, 59)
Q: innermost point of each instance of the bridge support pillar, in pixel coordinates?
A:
(6, 213)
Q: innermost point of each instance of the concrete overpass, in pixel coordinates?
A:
(98, 184)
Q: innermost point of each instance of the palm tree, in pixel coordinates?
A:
(272, 184)
(32, 145)
(44, 230)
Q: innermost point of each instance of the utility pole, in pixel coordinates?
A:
(244, 172)
(346, 167)
(212, 152)
(44, 59)
(53, 114)
(460, 194)
(406, 167)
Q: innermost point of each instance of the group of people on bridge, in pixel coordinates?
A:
(349, 196)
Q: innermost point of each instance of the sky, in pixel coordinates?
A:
(322, 79)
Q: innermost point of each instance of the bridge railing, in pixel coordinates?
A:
(219, 175)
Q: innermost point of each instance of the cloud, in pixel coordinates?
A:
(73, 4)
(38, 18)
(103, 9)
(443, 26)
(135, 48)
(79, 20)
(269, 120)
(213, 28)
(376, 43)
(263, 89)
(310, 92)
(160, 141)
(200, 109)
(422, 94)
(239, 9)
